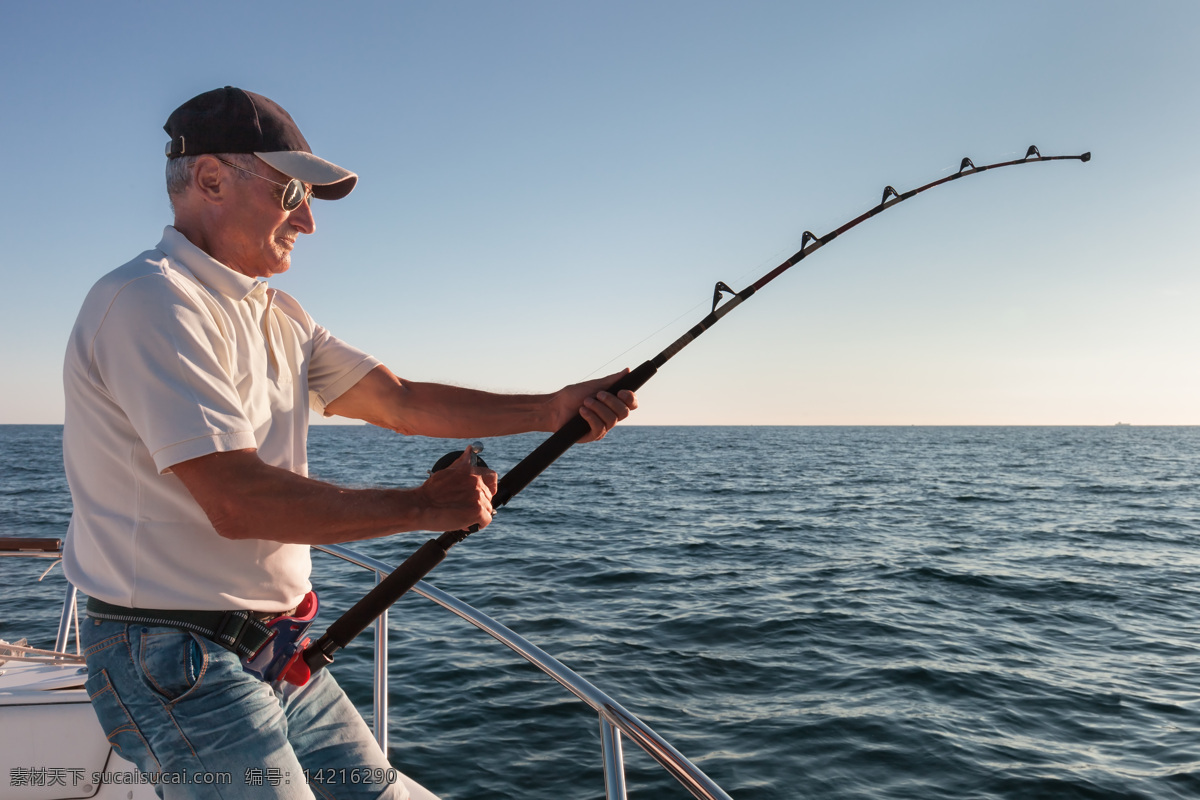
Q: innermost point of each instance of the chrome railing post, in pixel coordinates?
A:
(614, 760)
(381, 675)
(66, 620)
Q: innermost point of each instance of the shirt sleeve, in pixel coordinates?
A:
(161, 354)
(334, 368)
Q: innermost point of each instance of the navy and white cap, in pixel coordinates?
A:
(231, 120)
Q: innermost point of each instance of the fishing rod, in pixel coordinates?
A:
(303, 660)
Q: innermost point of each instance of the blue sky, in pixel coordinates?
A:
(550, 190)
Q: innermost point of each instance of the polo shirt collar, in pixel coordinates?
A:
(208, 270)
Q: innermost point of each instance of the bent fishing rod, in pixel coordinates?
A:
(305, 659)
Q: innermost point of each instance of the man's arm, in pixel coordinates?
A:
(245, 498)
(432, 409)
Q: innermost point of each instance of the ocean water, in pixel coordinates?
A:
(994, 613)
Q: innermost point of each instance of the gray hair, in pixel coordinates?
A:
(179, 171)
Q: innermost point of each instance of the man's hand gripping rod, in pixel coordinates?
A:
(420, 563)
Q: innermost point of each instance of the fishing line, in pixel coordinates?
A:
(308, 659)
(642, 341)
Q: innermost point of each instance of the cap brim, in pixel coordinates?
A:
(329, 181)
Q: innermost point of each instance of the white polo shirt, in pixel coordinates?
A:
(176, 356)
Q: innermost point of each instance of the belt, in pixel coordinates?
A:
(241, 632)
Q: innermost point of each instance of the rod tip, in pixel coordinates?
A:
(1086, 156)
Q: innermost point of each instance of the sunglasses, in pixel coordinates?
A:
(294, 192)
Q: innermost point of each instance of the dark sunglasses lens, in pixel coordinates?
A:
(293, 195)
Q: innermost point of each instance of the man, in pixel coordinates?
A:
(188, 385)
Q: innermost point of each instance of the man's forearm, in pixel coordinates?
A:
(440, 410)
(286, 507)
(433, 409)
(245, 498)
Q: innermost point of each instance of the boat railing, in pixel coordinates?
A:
(616, 723)
(68, 620)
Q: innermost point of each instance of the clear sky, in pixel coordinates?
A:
(550, 190)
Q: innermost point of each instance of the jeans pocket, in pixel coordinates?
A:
(118, 726)
(170, 660)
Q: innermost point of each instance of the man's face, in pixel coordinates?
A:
(258, 235)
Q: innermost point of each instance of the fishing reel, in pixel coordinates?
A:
(454, 455)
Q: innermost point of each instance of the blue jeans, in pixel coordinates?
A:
(183, 710)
